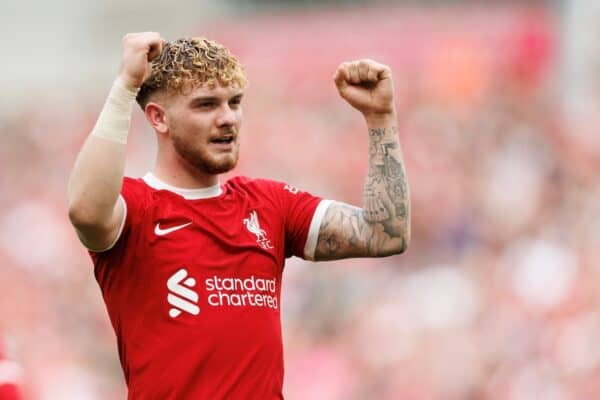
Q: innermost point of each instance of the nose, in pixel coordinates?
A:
(227, 116)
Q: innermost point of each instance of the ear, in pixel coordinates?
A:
(156, 115)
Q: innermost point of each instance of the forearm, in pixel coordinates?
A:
(386, 202)
(382, 227)
(97, 175)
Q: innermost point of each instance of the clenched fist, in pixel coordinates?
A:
(139, 49)
(367, 86)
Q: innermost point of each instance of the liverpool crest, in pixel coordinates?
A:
(253, 226)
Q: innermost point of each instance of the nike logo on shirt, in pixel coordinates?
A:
(162, 232)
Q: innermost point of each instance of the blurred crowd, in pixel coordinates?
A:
(498, 296)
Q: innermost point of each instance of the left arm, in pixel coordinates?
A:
(382, 226)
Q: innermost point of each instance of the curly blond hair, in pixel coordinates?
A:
(188, 63)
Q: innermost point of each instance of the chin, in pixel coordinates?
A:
(205, 161)
(214, 167)
(221, 169)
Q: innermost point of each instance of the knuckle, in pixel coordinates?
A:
(133, 40)
(384, 67)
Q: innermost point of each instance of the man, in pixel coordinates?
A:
(190, 268)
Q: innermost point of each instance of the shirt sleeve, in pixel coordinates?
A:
(302, 214)
(133, 197)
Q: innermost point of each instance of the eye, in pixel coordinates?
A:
(205, 104)
(235, 102)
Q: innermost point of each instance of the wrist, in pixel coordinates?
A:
(127, 83)
(114, 120)
(122, 91)
(381, 120)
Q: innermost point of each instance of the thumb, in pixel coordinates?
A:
(385, 74)
(155, 49)
(340, 78)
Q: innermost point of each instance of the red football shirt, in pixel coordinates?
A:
(192, 285)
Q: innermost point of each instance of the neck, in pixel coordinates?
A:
(177, 172)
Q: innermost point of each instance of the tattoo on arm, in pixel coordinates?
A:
(382, 226)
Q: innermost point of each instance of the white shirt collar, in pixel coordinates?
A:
(188, 194)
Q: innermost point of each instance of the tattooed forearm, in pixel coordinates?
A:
(386, 192)
(382, 227)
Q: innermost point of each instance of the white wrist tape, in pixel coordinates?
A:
(115, 118)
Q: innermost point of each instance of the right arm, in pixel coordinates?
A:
(95, 182)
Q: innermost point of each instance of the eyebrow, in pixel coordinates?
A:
(213, 99)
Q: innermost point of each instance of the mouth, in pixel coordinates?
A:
(224, 142)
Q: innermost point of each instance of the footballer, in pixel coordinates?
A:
(189, 265)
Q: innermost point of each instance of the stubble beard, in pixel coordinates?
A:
(201, 159)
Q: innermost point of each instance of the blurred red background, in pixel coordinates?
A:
(496, 298)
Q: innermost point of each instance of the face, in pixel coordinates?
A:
(204, 127)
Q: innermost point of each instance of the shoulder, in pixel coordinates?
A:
(136, 193)
(261, 190)
(249, 181)
(275, 188)
(134, 183)
(135, 186)
(244, 183)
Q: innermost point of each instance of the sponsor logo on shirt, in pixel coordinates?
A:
(291, 189)
(237, 292)
(253, 226)
(181, 297)
(221, 292)
(158, 231)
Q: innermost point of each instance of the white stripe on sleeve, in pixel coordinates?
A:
(315, 227)
(120, 228)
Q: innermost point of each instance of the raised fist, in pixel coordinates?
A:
(139, 49)
(367, 86)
